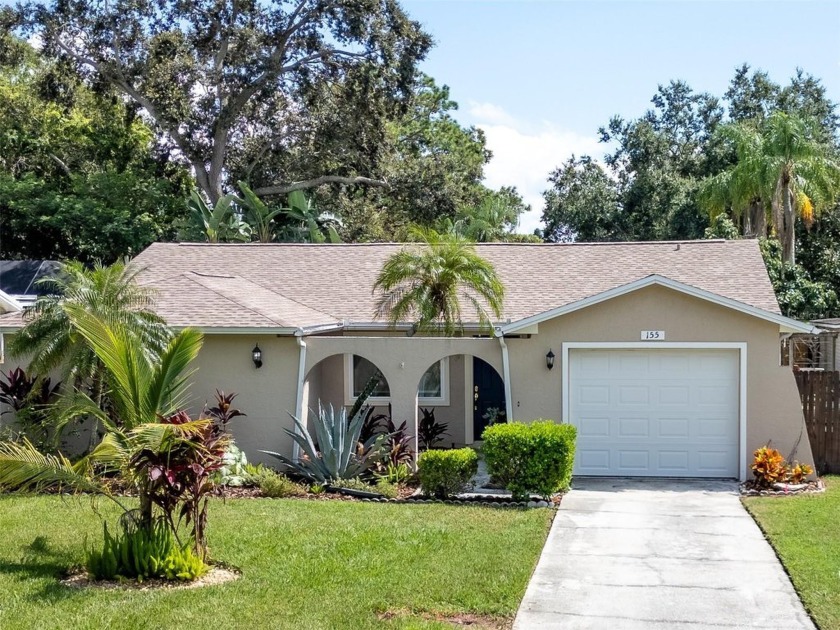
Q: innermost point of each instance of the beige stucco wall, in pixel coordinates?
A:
(267, 394)
(773, 408)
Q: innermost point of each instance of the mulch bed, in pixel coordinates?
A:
(751, 489)
(217, 575)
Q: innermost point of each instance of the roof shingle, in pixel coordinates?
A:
(295, 285)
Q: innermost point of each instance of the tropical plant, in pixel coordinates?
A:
(428, 283)
(49, 338)
(28, 398)
(141, 554)
(338, 454)
(446, 473)
(52, 341)
(259, 215)
(395, 473)
(219, 223)
(429, 430)
(397, 443)
(768, 466)
(164, 456)
(782, 168)
(234, 468)
(308, 224)
(224, 411)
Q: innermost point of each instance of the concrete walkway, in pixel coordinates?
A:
(633, 553)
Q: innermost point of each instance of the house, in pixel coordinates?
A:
(665, 355)
(19, 285)
(819, 350)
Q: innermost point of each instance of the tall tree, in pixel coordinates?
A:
(239, 88)
(79, 173)
(583, 203)
(431, 283)
(783, 168)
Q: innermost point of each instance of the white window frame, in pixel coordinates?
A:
(427, 401)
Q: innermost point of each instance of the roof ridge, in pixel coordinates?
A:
(709, 241)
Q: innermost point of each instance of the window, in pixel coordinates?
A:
(432, 390)
(363, 371)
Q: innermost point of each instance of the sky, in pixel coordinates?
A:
(540, 77)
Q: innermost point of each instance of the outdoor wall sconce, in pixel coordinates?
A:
(549, 359)
(256, 356)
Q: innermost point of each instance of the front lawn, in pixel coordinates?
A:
(805, 532)
(306, 565)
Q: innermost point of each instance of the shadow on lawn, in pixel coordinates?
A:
(40, 561)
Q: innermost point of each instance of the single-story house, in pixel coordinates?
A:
(665, 355)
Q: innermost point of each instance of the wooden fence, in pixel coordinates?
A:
(820, 394)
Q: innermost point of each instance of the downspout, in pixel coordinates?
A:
(301, 375)
(506, 374)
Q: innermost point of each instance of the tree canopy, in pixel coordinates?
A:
(748, 156)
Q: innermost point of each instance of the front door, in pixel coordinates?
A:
(488, 397)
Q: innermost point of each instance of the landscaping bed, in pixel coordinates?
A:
(305, 565)
(804, 532)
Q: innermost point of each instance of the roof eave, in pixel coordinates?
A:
(786, 324)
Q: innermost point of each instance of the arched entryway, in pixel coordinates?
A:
(339, 379)
(463, 392)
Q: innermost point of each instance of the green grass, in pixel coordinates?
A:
(305, 564)
(805, 532)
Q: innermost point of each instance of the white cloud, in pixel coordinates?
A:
(525, 153)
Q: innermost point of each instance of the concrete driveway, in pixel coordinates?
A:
(645, 553)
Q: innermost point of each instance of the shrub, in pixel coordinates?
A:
(386, 489)
(444, 473)
(140, 553)
(277, 486)
(769, 467)
(530, 458)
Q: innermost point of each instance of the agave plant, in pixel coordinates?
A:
(339, 455)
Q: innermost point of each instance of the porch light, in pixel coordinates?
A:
(549, 359)
(256, 356)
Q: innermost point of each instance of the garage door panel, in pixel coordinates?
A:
(652, 412)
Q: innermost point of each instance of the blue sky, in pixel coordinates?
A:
(540, 77)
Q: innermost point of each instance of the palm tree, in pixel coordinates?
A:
(430, 282)
(781, 169)
(143, 389)
(51, 340)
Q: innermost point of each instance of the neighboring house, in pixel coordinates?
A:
(817, 351)
(19, 285)
(667, 354)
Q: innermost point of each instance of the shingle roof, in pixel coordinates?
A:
(294, 285)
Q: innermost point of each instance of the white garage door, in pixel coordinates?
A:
(658, 413)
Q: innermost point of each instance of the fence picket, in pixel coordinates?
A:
(820, 395)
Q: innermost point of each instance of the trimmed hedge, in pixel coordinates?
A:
(534, 458)
(444, 473)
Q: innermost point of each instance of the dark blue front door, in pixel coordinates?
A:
(488, 397)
